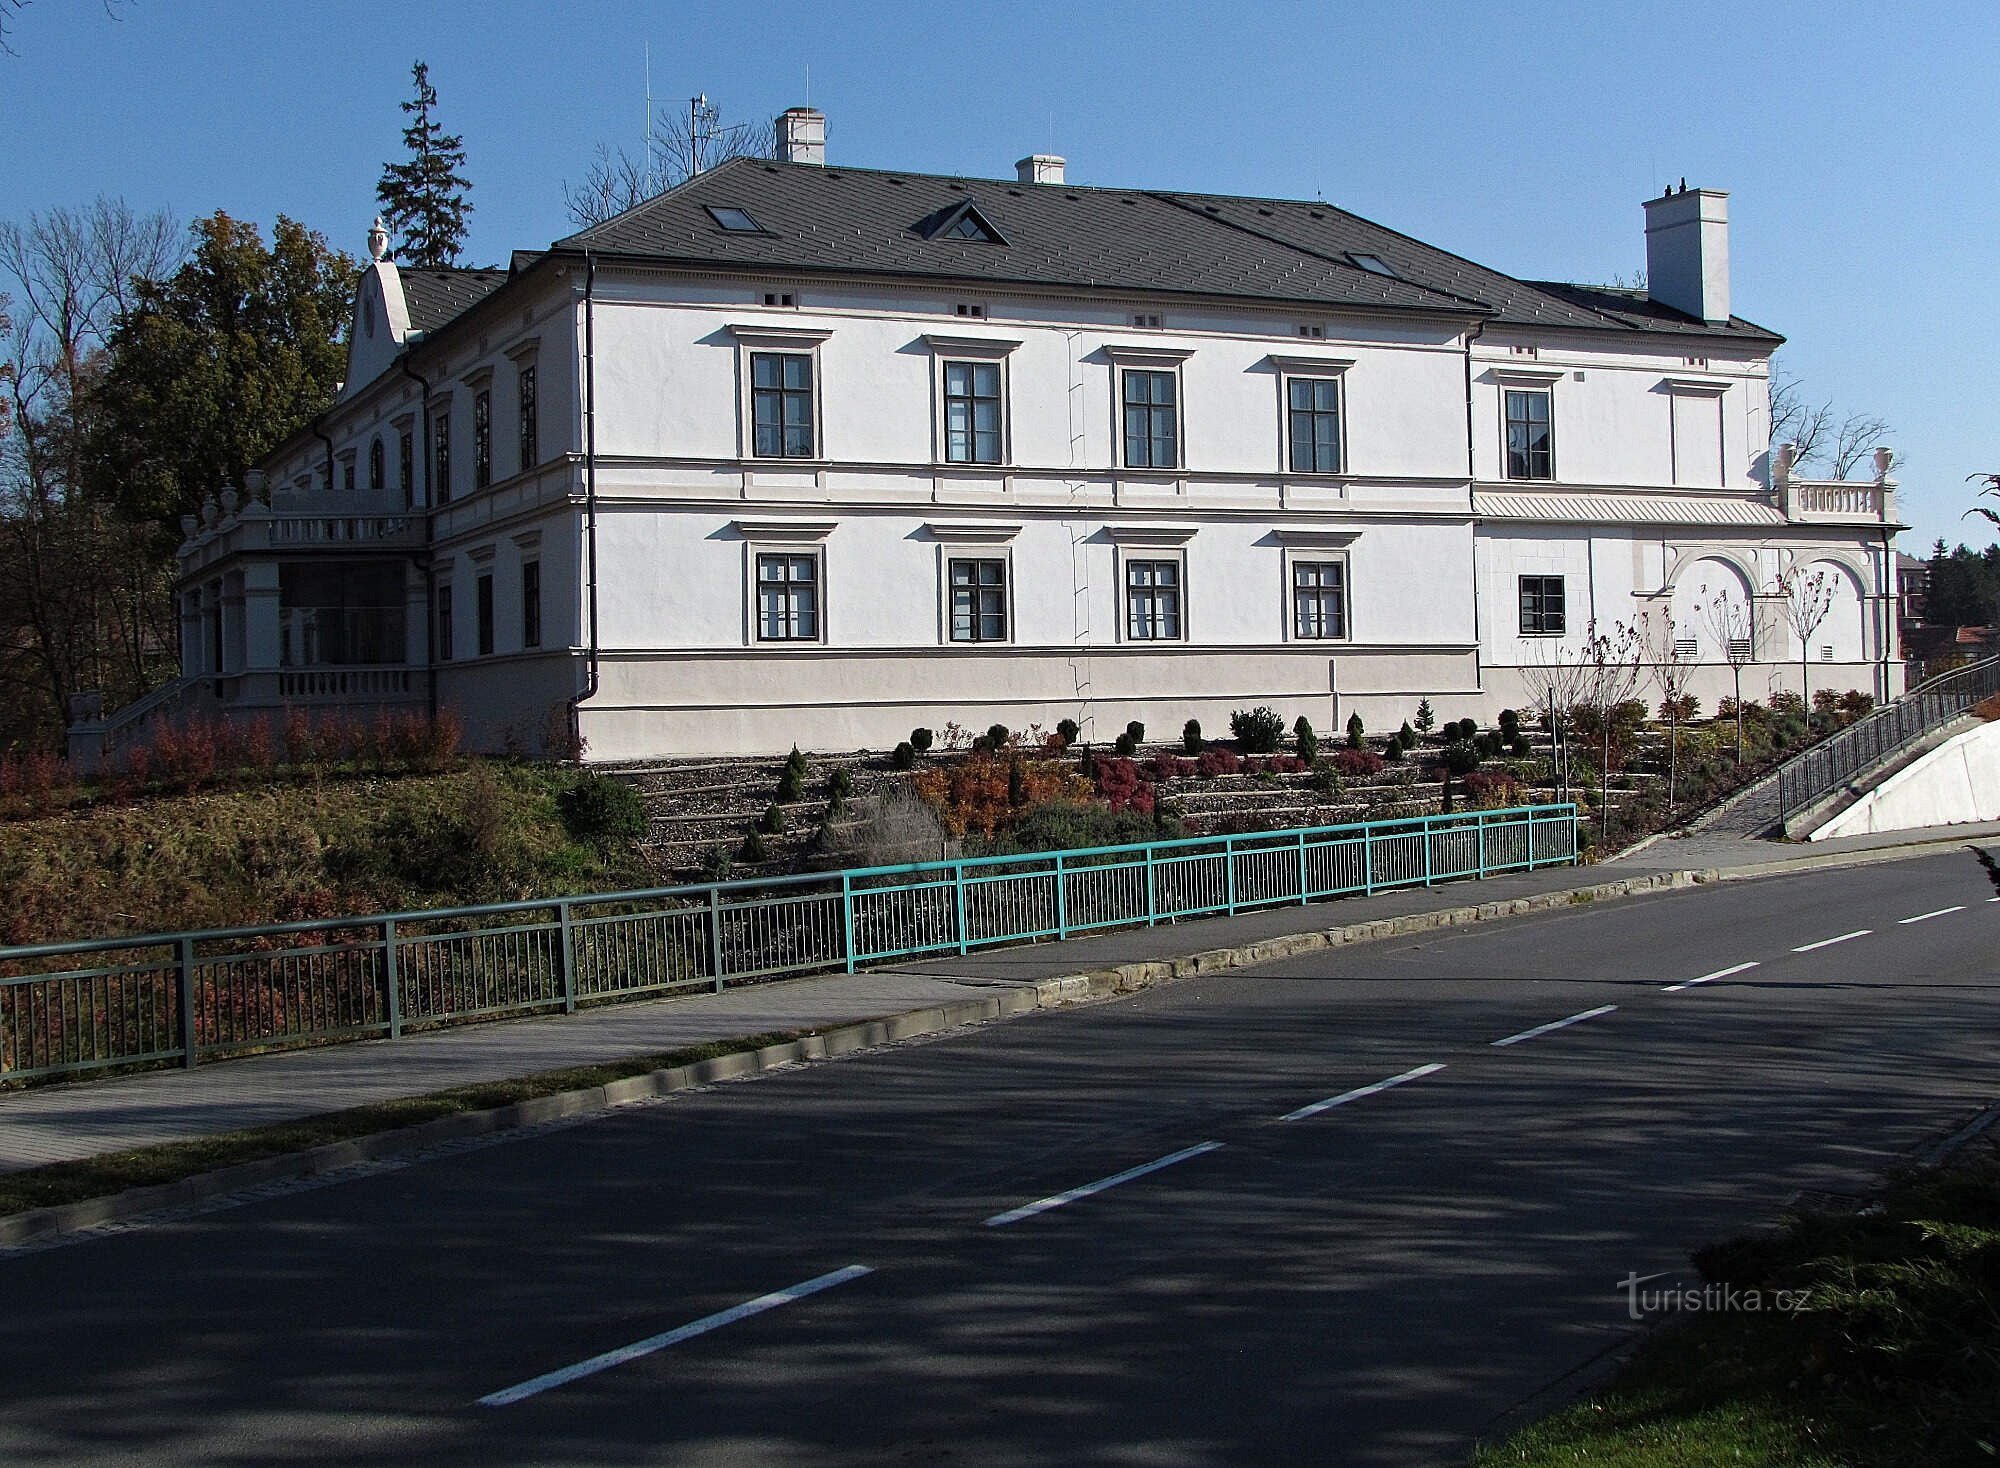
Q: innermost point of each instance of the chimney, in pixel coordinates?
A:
(802, 136)
(1687, 251)
(1040, 168)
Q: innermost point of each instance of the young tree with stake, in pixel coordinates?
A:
(1729, 623)
(1808, 597)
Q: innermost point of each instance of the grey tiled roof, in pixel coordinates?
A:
(870, 221)
(435, 296)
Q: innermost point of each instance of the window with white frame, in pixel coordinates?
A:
(1151, 399)
(781, 405)
(972, 432)
(1153, 605)
(1530, 436)
(1543, 609)
(1319, 600)
(788, 596)
(978, 599)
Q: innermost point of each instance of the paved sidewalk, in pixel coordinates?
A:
(60, 1123)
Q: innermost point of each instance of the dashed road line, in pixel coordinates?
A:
(1927, 916)
(550, 1380)
(1721, 973)
(1057, 1200)
(1358, 1092)
(1556, 1025)
(1829, 942)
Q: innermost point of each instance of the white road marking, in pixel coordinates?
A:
(1043, 1205)
(1829, 942)
(1721, 973)
(672, 1337)
(1358, 1092)
(1556, 1025)
(1926, 916)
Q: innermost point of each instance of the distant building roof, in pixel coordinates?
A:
(1308, 253)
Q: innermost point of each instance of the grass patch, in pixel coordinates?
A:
(114, 1172)
(1891, 1360)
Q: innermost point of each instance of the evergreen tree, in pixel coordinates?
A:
(423, 200)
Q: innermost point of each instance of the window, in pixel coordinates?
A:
(482, 439)
(531, 437)
(781, 404)
(979, 601)
(531, 603)
(969, 226)
(483, 589)
(1153, 601)
(970, 308)
(788, 598)
(375, 465)
(1313, 407)
(1542, 606)
(1529, 440)
(445, 639)
(1374, 265)
(736, 221)
(441, 457)
(1312, 331)
(347, 474)
(1146, 320)
(972, 412)
(1319, 600)
(780, 298)
(406, 466)
(1152, 420)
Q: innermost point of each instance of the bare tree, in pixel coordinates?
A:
(1855, 441)
(1611, 668)
(11, 9)
(1670, 657)
(1555, 677)
(1808, 597)
(1730, 622)
(685, 143)
(1821, 439)
(1989, 485)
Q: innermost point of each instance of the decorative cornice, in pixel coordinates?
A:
(1705, 387)
(797, 337)
(1290, 362)
(964, 532)
(1142, 354)
(971, 346)
(1323, 535)
(1530, 376)
(784, 529)
(1150, 534)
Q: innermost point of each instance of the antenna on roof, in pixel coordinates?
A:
(809, 84)
(647, 137)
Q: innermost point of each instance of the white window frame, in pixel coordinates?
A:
(752, 339)
(1319, 369)
(784, 538)
(960, 542)
(1515, 379)
(1519, 577)
(1151, 543)
(1315, 543)
(985, 350)
(1132, 358)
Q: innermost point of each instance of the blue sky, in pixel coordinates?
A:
(1856, 140)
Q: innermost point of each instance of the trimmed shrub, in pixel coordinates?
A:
(1125, 745)
(1355, 730)
(1393, 751)
(839, 785)
(904, 756)
(1257, 730)
(1169, 767)
(1357, 762)
(753, 848)
(1068, 731)
(1191, 736)
(1406, 737)
(796, 762)
(1120, 786)
(1519, 745)
(1784, 702)
(1466, 729)
(1460, 758)
(920, 740)
(1305, 739)
(1510, 723)
(1137, 730)
(1287, 764)
(789, 784)
(772, 821)
(602, 812)
(1325, 779)
(998, 736)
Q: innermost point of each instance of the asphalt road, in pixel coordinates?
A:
(1376, 1282)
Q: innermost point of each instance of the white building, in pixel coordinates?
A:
(801, 453)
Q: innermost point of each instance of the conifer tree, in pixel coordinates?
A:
(423, 199)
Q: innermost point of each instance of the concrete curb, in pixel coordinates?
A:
(1077, 988)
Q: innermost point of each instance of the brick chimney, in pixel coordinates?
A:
(802, 135)
(1687, 251)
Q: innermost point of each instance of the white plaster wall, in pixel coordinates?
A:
(1956, 783)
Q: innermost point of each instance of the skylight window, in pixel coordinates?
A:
(736, 221)
(1374, 265)
(961, 222)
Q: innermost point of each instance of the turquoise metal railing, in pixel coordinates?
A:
(73, 1008)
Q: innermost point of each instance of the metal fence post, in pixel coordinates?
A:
(1062, 900)
(1430, 865)
(391, 979)
(568, 958)
(715, 935)
(184, 961)
(1152, 901)
(1368, 858)
(958, 901)
(1302, 869)
(847, 918)
(1229, 869)
(1479, 824)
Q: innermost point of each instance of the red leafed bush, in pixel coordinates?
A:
(1216, 761)
(1285, 764)
(1492, 790)
(1120, 786)
(1169, 767)
(1357, 762)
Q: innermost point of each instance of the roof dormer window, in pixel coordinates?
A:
(736, 221)
(964, 222)
(1374, 265)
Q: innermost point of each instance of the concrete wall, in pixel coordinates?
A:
(1955, 784)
